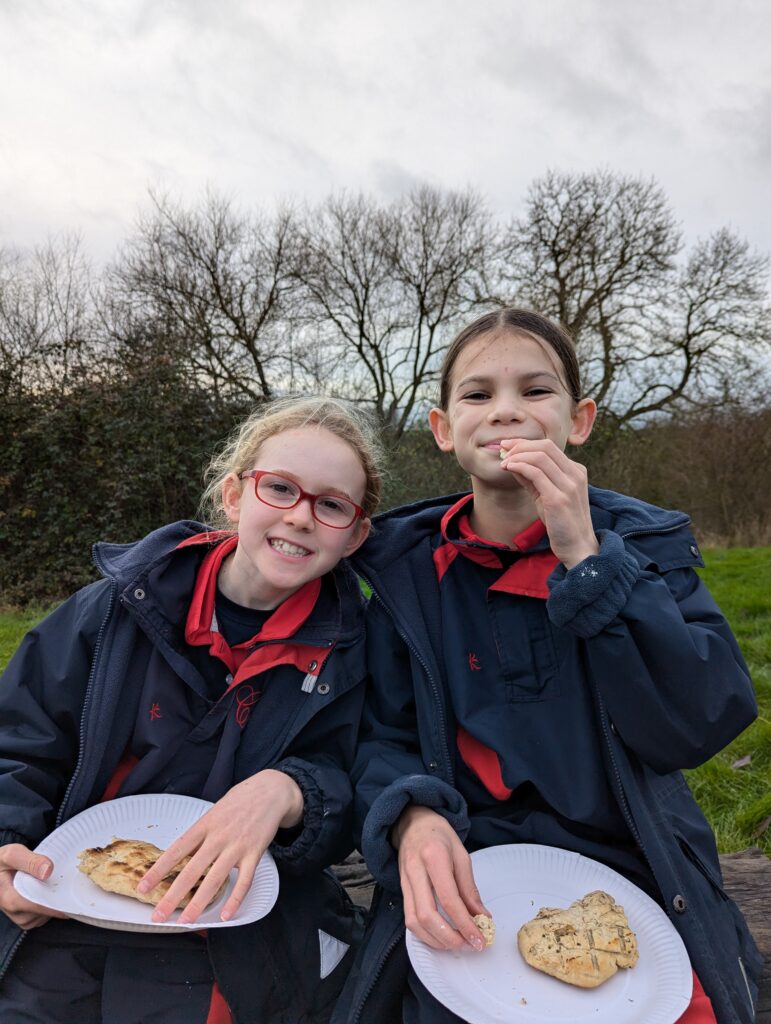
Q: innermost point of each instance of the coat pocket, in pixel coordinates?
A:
(525, 643)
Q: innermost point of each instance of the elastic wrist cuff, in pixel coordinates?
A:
(424, 790)
(587, 597)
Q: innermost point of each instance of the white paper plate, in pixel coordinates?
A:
(497, 986)
(157, 818)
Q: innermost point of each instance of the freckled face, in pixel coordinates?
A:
(281, 549)
(503, 386)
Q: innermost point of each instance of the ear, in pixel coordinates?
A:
(440, 428)
(232, 490)
(584, 416)
(358, 537)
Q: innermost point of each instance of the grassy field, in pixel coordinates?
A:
(737, 800)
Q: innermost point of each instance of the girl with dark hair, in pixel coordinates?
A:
(544, 662)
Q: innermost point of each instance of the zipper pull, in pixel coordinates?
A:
(308, 683)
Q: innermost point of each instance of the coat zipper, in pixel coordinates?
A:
(378, 971)
(624, 802)
(747, 985)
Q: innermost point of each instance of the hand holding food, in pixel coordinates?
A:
(234, 833)
(435, 867)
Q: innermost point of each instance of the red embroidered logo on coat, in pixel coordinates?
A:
(155, 712)
(246, 698)
(473, 662)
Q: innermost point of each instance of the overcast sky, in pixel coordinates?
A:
(266, 100)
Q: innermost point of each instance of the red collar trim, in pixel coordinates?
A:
(527, 576)
(282, 624)
(523, 541)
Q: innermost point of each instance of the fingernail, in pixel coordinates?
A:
(225, 915)
(43, 872)
(184, 919)
(476, 942)
(143, 887)
(158, 917)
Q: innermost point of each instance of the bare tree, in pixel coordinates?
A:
(383, 286)
(46, 317)
(600, 252)
(350, 309)
(214, 285)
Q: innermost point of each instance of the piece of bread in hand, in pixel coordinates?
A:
(583, 945)
(119, 866)
(486, 925)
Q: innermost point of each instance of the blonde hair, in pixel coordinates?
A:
(274, 417)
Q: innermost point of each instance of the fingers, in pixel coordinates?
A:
(169, 859)
(240, 889)
(208, 889)
(211, 877)
(21, 911)
(421, 914)
(543, 461)
(19, 858)
(467, 887)
(435, 868)
(181, 886)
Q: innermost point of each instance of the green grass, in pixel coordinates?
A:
(13, 626)
(737, 801)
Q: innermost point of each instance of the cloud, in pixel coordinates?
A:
(295, 98)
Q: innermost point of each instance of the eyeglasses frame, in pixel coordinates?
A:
(257, 474)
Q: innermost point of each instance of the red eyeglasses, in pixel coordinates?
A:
(279, 492)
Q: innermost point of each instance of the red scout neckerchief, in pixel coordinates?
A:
(527, 576)
(242, 662)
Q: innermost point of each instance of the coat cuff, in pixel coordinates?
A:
(424, 790)
(587, 597)
(300, 842)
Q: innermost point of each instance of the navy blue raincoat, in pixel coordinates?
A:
(670, 689)
(68, 706)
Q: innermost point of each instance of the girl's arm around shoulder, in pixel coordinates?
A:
(660, 652)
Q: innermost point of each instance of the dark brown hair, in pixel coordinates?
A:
(518, 321)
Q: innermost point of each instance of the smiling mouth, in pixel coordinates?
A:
(285, 548)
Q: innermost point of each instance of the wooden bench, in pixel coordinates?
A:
(747, 877)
